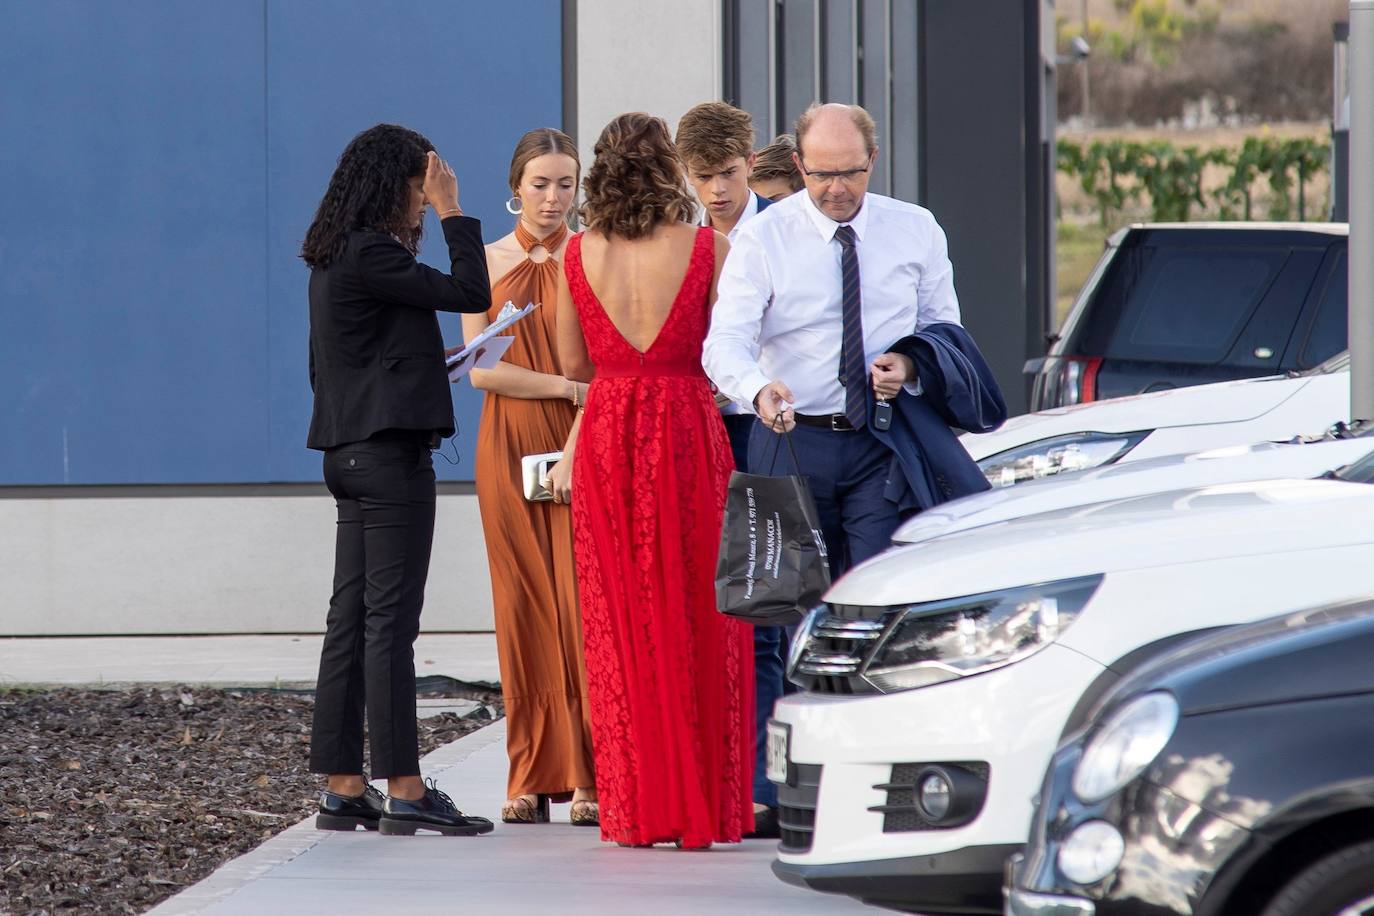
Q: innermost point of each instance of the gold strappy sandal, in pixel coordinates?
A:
(585, 813)
(526, 809)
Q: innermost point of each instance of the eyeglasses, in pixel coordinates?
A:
(848, 176)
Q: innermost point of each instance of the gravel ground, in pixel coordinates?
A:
(113, 800)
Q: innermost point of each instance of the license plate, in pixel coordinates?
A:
(779, 739)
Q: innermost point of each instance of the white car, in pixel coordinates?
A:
(940, 676)
(1230, 464)
(1176, 421)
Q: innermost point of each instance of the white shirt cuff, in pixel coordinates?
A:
(752, 384)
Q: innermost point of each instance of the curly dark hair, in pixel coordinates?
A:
(368, 190)
(635, 182)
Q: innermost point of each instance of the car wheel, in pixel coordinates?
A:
(1341, 884)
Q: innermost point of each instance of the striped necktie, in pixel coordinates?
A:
(853, 366)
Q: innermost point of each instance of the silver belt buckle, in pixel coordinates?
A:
(835, 420)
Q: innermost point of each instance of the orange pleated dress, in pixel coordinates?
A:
(530, 552)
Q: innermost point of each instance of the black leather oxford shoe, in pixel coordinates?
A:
(349, 812)
(435, 811)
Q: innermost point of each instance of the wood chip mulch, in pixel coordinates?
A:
(113, 800)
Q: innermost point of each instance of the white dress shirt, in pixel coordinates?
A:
(751, 209)
(778, 313)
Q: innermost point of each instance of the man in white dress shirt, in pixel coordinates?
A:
(811, 297)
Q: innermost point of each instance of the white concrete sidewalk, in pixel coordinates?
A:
(219, 660)
(536, 869)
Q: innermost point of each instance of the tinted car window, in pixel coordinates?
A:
(1327, 335)
(1189, 305)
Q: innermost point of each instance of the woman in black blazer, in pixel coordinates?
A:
(382, 403)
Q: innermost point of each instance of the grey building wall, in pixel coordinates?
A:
(660, 56)
(987, 148)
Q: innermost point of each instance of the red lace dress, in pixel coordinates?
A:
(670, 681)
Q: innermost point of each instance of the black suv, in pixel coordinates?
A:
(1229, 778)
(1177, 304)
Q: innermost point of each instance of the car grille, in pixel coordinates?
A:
(797, 808)
(835, 648)
(900, 813)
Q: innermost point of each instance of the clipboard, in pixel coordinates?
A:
(478, 356)
(487, 348)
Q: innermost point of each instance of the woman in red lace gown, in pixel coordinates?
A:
(670, 681)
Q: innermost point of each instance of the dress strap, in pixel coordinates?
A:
(528, 239)
(705, 247)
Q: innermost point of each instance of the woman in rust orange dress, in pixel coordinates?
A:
(529, 410)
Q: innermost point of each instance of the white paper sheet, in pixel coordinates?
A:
(487, 348)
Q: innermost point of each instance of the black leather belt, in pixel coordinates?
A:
(837, 422)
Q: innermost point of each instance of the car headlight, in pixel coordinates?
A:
(943, 640)
(1123, 746)
(1091, 853)
(1058, 455)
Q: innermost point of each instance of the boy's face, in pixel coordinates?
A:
(722, 187)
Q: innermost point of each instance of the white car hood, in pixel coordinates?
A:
(1262, 461)
(1148, 531)
(1221, 402)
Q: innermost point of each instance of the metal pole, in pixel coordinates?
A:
(1083, 72)
(1340, 120)
(1361, 254)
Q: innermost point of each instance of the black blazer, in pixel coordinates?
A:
(376, 354)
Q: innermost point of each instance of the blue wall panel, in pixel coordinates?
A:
(472, 77)
(132, 282)
(159, 163)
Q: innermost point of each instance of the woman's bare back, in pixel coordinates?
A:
(637, 280)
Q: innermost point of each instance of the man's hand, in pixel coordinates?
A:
(890, 372)
(559, 481)
(774, 406)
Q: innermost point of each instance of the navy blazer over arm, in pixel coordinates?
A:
(929, 466)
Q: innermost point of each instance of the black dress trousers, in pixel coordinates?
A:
(385, 492)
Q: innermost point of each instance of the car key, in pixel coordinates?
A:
(882, 415)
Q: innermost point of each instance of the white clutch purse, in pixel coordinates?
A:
(533, 470)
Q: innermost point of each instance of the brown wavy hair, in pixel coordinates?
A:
(635, 183)
(775, 161)
(713, 133)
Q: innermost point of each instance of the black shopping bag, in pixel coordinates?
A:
(772, 567)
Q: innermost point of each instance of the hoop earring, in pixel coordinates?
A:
(512, 208)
